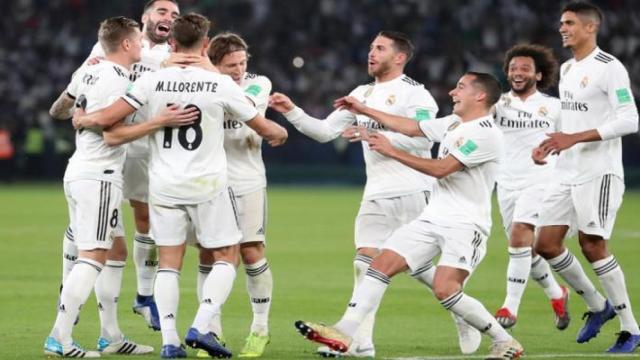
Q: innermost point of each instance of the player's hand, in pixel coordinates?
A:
(539, 155)
(380, 143)
(94, 60)
(278, 137)
(77, 118)
(557, 142)
(281, 103)
(349, 103)
(173, 116)
(355, 133)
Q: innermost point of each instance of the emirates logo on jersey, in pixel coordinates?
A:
(391, 100)
(584, 82)
(543, 111)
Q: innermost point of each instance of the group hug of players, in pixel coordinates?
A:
(173, 122)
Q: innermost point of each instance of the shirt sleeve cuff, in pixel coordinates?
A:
(294, 115)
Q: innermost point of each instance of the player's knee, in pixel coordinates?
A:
(593, 248)
(230, 254)
(251, 252)
(442, 289)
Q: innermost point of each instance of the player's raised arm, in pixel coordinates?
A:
(275, 134)
(319, 130)
(171, 116)
(105, 117)
(395, 123)
(61, 109)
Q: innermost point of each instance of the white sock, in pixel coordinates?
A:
(517, 274)
(74, 293)
(612, 280)
(167, 296)
(107, 291)
(215, 292)
(476, 315)
(567, 266)
(541, 273)
(364, 334)
(145, 259)
(69, 253)
(260, 288)
(216, 321)
(366, 298)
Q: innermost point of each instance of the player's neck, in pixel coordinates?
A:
(388, 76)
(146, 39)
(525, 95)
(473, 114)
(121, 59)
(583, 50)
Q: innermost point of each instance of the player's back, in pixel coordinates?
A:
(188, 164)
(93, 88)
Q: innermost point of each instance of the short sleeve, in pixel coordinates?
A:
(236, 103)
(138, 92)
(473, 147)
(72, 88)
(435, 129)
(421, 106)
(258, 92)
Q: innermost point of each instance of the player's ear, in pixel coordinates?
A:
(144, 19)
(205, 46)
(172, 43)
(538, 76)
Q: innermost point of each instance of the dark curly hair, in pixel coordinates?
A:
(544, 60)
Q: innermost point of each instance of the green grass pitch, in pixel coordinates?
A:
(310, 249)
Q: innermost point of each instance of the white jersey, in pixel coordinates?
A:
(150, 60)
(188, 164)
(243, 145)
(463, 198)
(93, 88)
(524, 124)
(595, 92)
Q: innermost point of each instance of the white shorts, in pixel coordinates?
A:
(520, 206)
(420, 241)
(118, 231)
(252, 215)
(214, 222)
(378, 219)
(592, 206)
(136, 179)
(94, 212)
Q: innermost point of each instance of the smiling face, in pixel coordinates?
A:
(382, 56)
(522, 75)
(234, 64)
(464, 95)
(158, 20)
(576, 30)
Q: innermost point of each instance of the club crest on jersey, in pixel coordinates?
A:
(369, 91)
(584, 82)
(506, 100)
(543, 111)
(459, 142)
(391, 100)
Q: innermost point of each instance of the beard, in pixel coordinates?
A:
(383, 68)
(528, 84)
(152, 35)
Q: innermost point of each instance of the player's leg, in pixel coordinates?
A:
(462, 252)
(556, 215)
(252, 216)
(145, 257)
(69, 253)
(93, 214)
(107, 289)
(595, 225)
(170, 223)
(216, 226)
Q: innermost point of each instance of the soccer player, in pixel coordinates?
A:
(246, 172)
(524, 115)
(597, 110)
(157, 19)
(394, 193)
(93, 183)
(455, 224)
(188, 179)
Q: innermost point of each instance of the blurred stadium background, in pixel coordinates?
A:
(43, 42)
